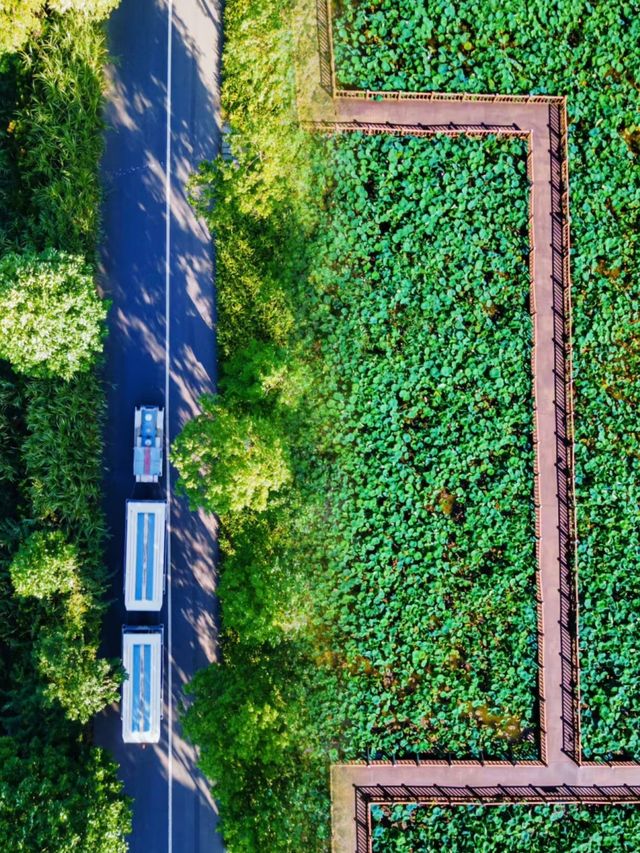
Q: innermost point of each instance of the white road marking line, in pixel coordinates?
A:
(167, 443)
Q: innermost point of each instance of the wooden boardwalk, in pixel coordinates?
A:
(559, 775)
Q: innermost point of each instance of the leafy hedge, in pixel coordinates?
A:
(590, 54)
(505, 829)
(423, 320)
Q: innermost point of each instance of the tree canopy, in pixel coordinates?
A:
(229, 461)
(53, 800)
(51, 316)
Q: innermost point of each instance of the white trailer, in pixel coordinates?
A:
(148, 437)
(144, 554)
(142, 650)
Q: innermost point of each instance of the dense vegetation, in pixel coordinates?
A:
(57, 792)
(589, 53)
(22, 20)
(505, 829)
(373, 425)
(242, 458)
(422, 317)
(51, 317)
(278, 457)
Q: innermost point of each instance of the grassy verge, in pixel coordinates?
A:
(590, 55)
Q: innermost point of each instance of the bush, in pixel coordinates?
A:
(47, 567)
(19, 21)
(229, 462)
(44, 565)
(252, 304)
(22, 20)
(8, 170)
(82, 683)
(11, 430)
(93, 9)
(53, 798)
(250, 713)
(51, 317)
(257, 373)
(261, 585)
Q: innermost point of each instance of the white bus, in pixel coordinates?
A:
(144, 554)
(142, 688)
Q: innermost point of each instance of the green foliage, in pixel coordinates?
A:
(62, 454)
(260, 587)
(505, 829)
(559, 47)
(262, 217)
(51, 317)
(229, 462)
(77, 679)
(56, 794)
(19, 20)
(10, 431)
(590, 54)
(250, 713)
(8, 170)
(421, 311)
(44, 565)
(47, 567)
(58, 135)
(272, 785)
(53, 799)
(22, 21)
(258, 373)
(94, 9)
(252, 305)
(276, 154)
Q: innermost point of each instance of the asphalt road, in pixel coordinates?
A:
(157, 269)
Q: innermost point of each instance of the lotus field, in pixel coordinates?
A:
(423, 320)
(505, 829)
(591, 55)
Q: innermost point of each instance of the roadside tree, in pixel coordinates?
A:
(230, 461)
(77, 678)
(44, 565)
(61, 800)
(51, 316)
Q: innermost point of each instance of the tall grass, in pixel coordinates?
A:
(58, 135)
